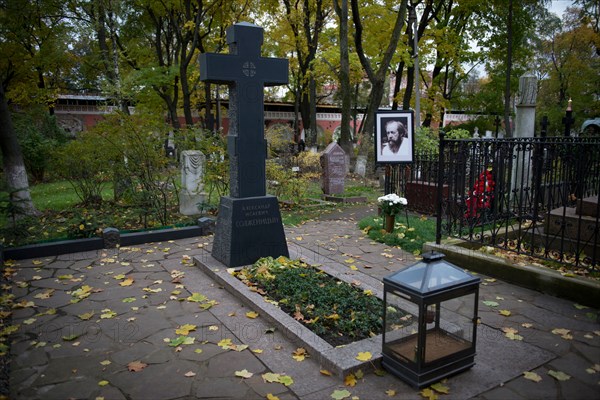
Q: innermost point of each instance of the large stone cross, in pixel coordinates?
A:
(246, 73)
(249, 224)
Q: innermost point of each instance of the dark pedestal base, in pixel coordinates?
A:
(248, 229)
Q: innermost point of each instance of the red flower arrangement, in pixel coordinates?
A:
(482, 195)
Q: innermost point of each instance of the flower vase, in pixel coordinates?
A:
(390, 220)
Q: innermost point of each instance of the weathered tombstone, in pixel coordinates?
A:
(333, 161)
(249, 223)
(192, 175)
(361, 166)
(524, 128)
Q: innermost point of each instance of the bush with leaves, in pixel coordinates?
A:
(337, 311)
(214, 147)
(408, 235)
(85, 163)
(39, 135)
(136, 144)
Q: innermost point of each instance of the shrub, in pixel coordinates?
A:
(85, 163)
(39, 136)
(410, 239)
(337, 311)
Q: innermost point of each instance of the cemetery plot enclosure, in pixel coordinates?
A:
(523, 195)
(533, 196)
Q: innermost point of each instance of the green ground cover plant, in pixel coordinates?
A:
(338, 312)
(409, 233)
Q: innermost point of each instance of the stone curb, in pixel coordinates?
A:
(339, 360)
(98, 243)
(581, 290)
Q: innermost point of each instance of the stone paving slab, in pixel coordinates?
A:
(46, 366)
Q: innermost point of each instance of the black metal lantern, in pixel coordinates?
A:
(430, 320)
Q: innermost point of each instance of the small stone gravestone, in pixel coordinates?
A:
(192, 175)
(333, 161)
(249, 223)
(361, 166)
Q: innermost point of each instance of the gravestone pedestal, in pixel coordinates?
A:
(248, 229)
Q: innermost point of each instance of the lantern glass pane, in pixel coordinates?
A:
(454, 331)
(401, 325)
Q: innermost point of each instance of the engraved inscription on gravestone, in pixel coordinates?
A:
(249, 222)
(333, 161)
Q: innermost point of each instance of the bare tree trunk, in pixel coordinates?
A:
(14, 167)
(344, 76)
(509, 38)
(376, 78)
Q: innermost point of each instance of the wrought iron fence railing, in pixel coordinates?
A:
(535, 196)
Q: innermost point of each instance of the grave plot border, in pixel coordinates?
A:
(98, 243)
(339, 360)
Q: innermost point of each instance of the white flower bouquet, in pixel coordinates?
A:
(391, 204)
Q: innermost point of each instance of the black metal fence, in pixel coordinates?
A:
(535, 196)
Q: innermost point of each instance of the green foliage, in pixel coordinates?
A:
(289, 177)
(214, 146)
(280, 140)
(337, 311)
(426, 140)
(39, 136)
(85, 163)
(458, 133)
(483, 123)
(411, 239)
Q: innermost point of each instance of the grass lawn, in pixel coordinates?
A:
(64, 218)
(409, 235)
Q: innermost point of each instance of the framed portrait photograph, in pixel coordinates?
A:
(394, 136)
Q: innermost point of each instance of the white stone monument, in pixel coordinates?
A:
(192, 175)
(361, 166)
(524, 128)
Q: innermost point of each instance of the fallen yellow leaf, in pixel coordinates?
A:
(350, 380)
(364, 356)
(127, 282)
(251, 314)
(532, 376)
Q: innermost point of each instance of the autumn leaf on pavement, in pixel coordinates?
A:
(563, 333)
(490, 303)
(270, 396)
(438, 387)
(136, 366)
(299, 354)
(285, 380)
(127, 282)
(506, 313)
(271, 377)
(364, 356)
(86, 316)
(390, 392)
(189, 374)
(244, 374)
(559, 375)
(251, 314)
(532, 376)
(325, 372)
(428, 394)
(350, 380)
(511, 333)
(185, 329)
(340, 394)
(107, 313)
(225, 344)
(46, 294)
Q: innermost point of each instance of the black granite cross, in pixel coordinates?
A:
(246, 73)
